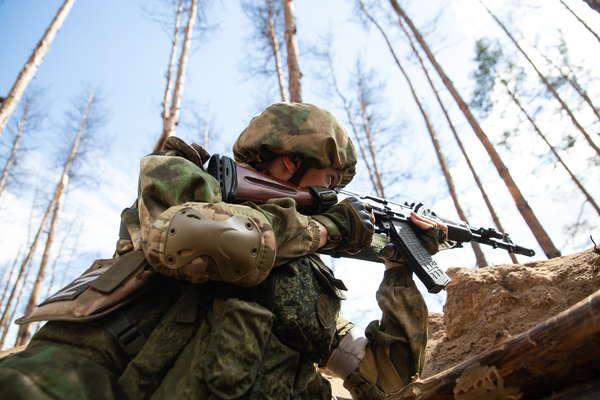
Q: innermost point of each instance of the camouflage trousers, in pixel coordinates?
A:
(227, 351)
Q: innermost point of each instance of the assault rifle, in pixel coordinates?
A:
(239, 184)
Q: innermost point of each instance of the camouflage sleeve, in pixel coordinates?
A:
(169, 184)
(395, 345)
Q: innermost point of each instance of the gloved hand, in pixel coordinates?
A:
(349, 225)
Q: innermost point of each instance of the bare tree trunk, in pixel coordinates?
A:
(59, 256)
(23, 268)
(294, 74)
(180, 80)
(537, 129)
(11, 271)
(15, 145)
(463, 150)
(7, 107)
(276, 52)
(545, 81)
(166, 103)
(586, 26)
(594, 4)
(371, 145)
(5, 327)
(350, 118)
(480, 258)
(530, 218)
(24, 330)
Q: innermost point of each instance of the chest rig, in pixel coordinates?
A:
(304, 297)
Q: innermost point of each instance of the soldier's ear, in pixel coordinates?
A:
(289, 164)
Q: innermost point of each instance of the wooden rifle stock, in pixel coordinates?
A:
(239, 184)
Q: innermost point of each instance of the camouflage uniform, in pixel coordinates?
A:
(219, 334)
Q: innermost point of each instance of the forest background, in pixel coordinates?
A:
(120, 50)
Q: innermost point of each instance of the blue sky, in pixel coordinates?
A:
(112, 45)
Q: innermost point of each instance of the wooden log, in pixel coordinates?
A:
(559, 353)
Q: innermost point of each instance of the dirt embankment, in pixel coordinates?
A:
(488, 305)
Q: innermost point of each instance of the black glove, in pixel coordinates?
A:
(352, 228)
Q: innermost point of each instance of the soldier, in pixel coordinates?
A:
(210, 300)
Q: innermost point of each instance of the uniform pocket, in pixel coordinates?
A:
(235, 346)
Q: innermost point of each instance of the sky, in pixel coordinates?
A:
(114, 46)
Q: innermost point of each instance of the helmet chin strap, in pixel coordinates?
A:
(295, 179)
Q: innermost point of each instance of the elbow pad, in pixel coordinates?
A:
(209, 242)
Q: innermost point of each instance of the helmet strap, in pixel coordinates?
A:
(302, 168)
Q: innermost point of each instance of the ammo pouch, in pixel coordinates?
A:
(105, 286)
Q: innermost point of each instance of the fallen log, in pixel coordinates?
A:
(559, 353)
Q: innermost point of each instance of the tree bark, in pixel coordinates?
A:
(294, 74)
(559, 353)
(366, 123)
(11, 271)
(463, 150)
(582, 22)
(15, 145)
(24, 330)
(526, 211)
(350, 118)
(594, 4)
(537, 130)
(8, 106)
(276, 51)
(545, 81)
(173, 119)
(480, 258)
(166, 103)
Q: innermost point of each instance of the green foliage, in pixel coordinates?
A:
(487, 56)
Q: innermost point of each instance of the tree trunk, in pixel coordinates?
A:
(294, 74)
(480, 258)
(11, 271)
(24, 330)
(582, 22)
(594, 4)
(371, 145)
(559, 353)
(537, 129)
(545, 81)
(276, 52)
(10, 162)
(5, 327)
(23, 268)
(347, 110)
(7, 107)
(173, 119)
(166, 103)
(482, 190)
(526, 211)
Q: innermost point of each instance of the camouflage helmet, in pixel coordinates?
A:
(298, 129)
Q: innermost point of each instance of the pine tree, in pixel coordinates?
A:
(480, 258)
(294, 73)
(463, 150)
(526, 211)
(174, 108)
(9, 104)
(563, 104)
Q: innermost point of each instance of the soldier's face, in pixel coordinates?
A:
(325, 177)
(284, 167)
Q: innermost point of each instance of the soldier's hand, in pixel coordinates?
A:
(352, 228)
(431, 232)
